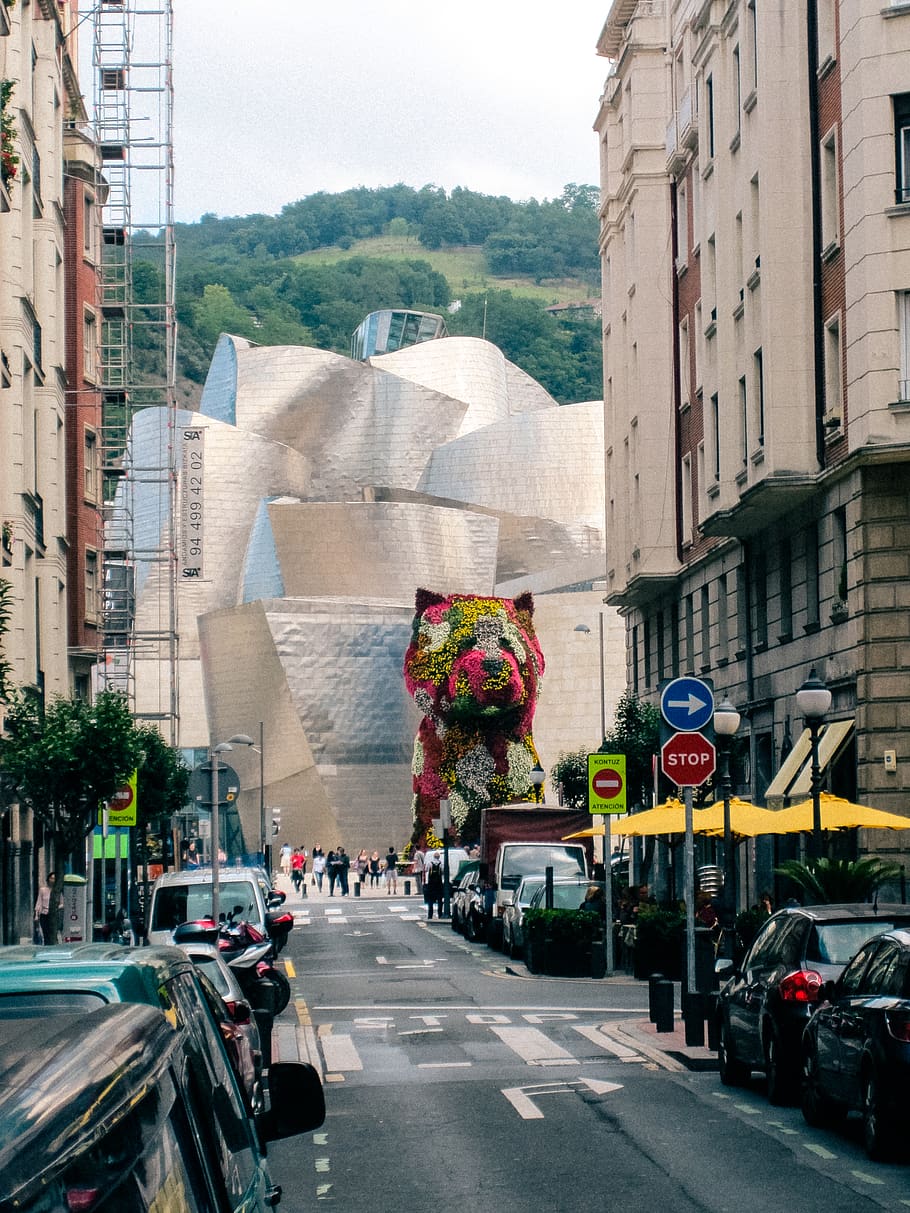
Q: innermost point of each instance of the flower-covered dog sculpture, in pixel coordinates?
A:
(473, 668)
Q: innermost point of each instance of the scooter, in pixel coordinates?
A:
(248, 952)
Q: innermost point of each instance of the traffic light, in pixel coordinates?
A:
(276, 821)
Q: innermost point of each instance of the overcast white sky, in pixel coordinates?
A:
(280, 100)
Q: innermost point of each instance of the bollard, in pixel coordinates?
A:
(652, 982)
(663, 1005)
(303, 888)
(356, 888)
(407, 888)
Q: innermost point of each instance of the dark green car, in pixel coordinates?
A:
(61, 1058)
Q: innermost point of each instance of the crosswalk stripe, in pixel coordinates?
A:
(534, 1047)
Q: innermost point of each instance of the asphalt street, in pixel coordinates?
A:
(455, 1077)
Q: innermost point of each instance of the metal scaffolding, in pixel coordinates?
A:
(133, 117)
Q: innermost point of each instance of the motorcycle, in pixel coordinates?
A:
(248, 952)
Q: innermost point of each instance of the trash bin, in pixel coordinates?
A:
(356, 888)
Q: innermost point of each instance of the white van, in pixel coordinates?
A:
(178, 897)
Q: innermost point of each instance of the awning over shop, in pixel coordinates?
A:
(794, 779)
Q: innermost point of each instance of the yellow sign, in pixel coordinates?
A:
(606, 783)
(121, 810)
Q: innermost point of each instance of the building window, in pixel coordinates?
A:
(91, 585)
(903, 326)
(744, 419)
(660, 645)
(709, 115)
(737, 88)
(682, 226)
(830, 204)
(753, 42)
(723, 627)
(91, 467)
(673, 616)
(785, 557)
(686, 491)
(635, 678)
(647, 651)
(690, 634)
(840, 554)
(742, 611)
(715, 435)
(685, 364)
(833, 376)
(825, 36)
(705, 629)
(89, 344)
(812, 569)
(88, 225)
(760, 598)
(902, 145)
(760, 394)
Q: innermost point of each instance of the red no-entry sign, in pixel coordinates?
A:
(688, 759)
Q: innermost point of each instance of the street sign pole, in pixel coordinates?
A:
(689, 880)
(608, 899)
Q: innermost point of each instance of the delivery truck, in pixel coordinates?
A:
(519, 840)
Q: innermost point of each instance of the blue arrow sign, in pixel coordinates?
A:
(687, 704)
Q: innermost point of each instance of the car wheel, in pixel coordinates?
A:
(732, 1072)
(470, 928)
(282, 990)
(454, 922)
(780, 1082)
(819, 1110)
(880, 1135)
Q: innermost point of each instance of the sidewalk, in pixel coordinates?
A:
(311, 893)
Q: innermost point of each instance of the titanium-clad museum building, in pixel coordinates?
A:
(326, 490)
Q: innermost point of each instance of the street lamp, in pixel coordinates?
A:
(445, 817)
(726, 722)
(222, 747)
(538, 775)
(813, 700)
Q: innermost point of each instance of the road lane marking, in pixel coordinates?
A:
(819, 1150)
(598, 1037)
(866, 1178)
(533, 1046)
(289, 969)
(444, 1065)
(527, 1109)
(339, 1052)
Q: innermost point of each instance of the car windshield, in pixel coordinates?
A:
(527, 891)
(521, 861)
(212, 969)
(177, 903)
(565, 896)
(836, 942)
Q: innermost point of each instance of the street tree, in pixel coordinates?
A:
(66, 758)
(570, 774)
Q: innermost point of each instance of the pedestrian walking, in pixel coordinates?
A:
(298, 866)
(375, 869)
(285, 861)
(433, 886)
(361, 867)
(47, 909)
(331, 870)
(318, 866)
(417, 869)
(391, 871)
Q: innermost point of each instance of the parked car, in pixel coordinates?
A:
(513, 915)
(567, 894)
(766, 1001)
(856, 1047)
(178, 897)
(461, 899)
(239, 1028)
(128, 1106)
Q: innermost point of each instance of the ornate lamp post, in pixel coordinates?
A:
(813, 699)
(221, 748)
(726, 722)
(538, 775)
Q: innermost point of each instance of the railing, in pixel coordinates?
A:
(903, 390)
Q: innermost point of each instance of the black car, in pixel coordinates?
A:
(767, 1000)
(856, 1047)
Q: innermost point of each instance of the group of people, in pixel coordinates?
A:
(335, 869)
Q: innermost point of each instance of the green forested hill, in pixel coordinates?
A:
(310, 274)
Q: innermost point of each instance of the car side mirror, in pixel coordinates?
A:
(240, 1012)
(275, 898)
(724, 968)
(296, 1101)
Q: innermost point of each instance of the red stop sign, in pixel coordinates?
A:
(688, 759)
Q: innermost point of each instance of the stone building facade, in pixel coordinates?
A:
(755, 243)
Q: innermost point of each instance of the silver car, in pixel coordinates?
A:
(513, 915)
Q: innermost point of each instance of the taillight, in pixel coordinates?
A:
(238, 1009)
(78, 1200)
(899, 1024)
(802, 986)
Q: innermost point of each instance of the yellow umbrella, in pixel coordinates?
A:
(590, 832)
(837, 814)
(746, 820)
(667, 818)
